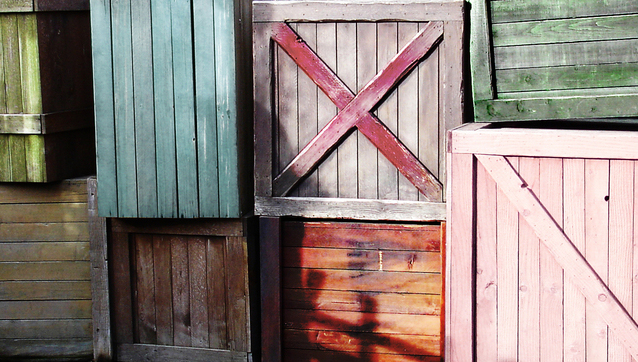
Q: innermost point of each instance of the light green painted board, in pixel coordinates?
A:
(205, 93)
(535, 109)
(29, 63)
(35, 158)
(480, 53)
(3, 90)
(16, 5)
(579, 92)
(17, 148)
(522, 10)
(5, 159)
(571, 77)
(144, 110)
(11, 51)
(103, 106)
(566, 30)
(164, 110)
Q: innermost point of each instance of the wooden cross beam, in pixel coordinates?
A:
(355, 110)
(563, 250)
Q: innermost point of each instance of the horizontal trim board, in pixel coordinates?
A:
(326, 11)
(11, 6)
(568, 77)
(70, 190)
(148, 352)
(41, 290)
(359, 209)
(47, 309)
(20, 124)
(76, 349)
(566, 30)
(536, 142)
(551, 55)
(45, 329)
(534, 109)
(523, 10)
(207, 227)
(571, 93)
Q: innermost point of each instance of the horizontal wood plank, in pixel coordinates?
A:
(398, 303)
(20, 124)
(49, 309)
(362, 322)
(585, 107)
(300, 355)
(569, 77)
(580, 53)
(356, 342)
(44, 251)
(43, 212)
(522, 10)
(139, 352)
(40, 290)
(566, 30)
(72, 349)
(315, 207)
(57, 270)
(73, 190)
(362, 259)
(45, 329)
(362, 236)
(274, 11)
(72, 231)
(218, 227)
(370, 281)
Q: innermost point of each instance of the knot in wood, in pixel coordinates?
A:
(602, 297)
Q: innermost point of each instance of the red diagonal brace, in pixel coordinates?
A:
(355, 110)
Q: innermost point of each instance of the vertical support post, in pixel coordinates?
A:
(102, 344)
(270, 255)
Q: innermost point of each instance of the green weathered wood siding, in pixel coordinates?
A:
(535, 60)
(170, 118)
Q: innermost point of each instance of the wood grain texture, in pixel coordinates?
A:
(270, 282)
(135, 352)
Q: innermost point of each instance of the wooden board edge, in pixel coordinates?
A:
(208, 227)
(360, 209)
(137, 352)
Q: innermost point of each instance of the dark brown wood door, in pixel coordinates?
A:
(361, 292)
(179, 294)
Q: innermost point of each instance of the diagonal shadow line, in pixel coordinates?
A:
(355, 110)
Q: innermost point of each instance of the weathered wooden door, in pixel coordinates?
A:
(352, 292)
(179, 291)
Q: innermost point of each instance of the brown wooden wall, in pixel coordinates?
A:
(180, 284)
(353, 292)
(45, 293)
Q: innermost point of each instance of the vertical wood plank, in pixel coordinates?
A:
(3, 88)
(596, 249)
(347, 71)
(270, 281)
(551, 274)
(460, 268)
(366, 69)
(145, 289)
(11, 51)
(387, 34)
(124, 108)
(226, 101)
(486, 267)
(529, 273)
(34, 147)
(163, 289)
(327, 50)
(206, 112)
(29, 63)
(237, 301)
(185, 137)
(308, 111)
(100, 305)
(181, 289)
(198, 291)
(429, 112)
(103, 105)
(287, 128)
(574, 227)
(5, 159)
(18, 152)
(262, 92)
(165, 152)
(408, 112)
(634, 249)
(621, 207)
(216, 277)
(122, 297)
(507, 264)
(144, 110)
(451, 85)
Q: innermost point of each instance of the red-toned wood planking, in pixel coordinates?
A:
(299, 355)
(362, 236)
(355, 110)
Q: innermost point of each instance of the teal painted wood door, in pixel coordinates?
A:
(170, 118)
